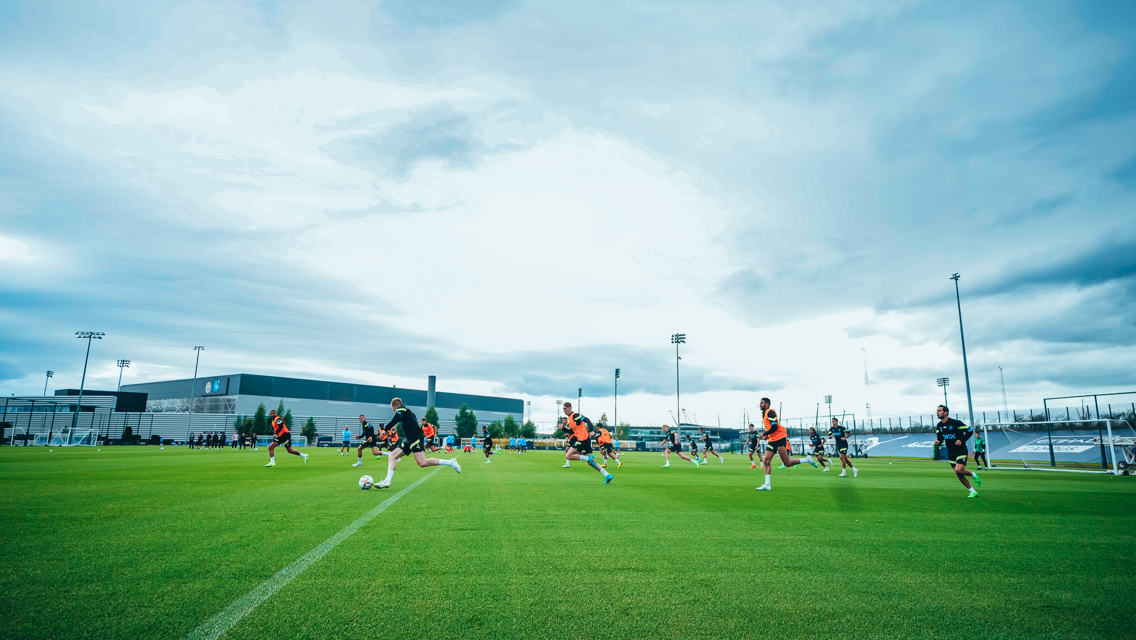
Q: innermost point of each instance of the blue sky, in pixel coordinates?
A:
(520, 197)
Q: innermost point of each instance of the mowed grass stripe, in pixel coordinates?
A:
(236, 612)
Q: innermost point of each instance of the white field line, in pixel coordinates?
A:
(220, 624)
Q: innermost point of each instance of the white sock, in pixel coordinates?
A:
(767, 477)
(448, 463)
(272, 458)
(390, 475)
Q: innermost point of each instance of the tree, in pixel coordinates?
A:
(465, 422)
(432, 416)
(286, 414)
(603, 418)
(528, 430)
(260, 421)
(495, 429)
(310, 432)
(510, 426)
(247, 427)
(623, 431)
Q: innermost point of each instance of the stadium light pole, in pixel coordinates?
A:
(962, 338)
(579, 400)
(192, 386)
(89, 335)
(944, 382)
(122, 364)
(677, 339)
(50, 375)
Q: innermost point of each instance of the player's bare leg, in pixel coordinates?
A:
(572, 454)
(419, 458)
(845, 464)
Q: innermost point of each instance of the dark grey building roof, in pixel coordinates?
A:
(280, 387)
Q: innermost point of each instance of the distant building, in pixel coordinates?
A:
(241, 393)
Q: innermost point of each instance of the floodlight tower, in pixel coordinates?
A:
(944, 383)
(122, 364)
(50, 375)
(615, 398)
(1005, 407)
(677, 339)
(89, 335)
(865, 352)
(828, 401)
(965, 369)
(192, 386)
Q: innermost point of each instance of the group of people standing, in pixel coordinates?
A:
(218, 440)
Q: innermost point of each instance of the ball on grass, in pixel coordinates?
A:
(366, 482)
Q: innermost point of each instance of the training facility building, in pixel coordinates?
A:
(239, 394)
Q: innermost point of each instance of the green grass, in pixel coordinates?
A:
(135, 542)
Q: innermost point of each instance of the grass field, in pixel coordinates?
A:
(136, 542)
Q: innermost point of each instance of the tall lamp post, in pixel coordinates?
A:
(965, 369)
(89, 335)
(122, 364)
(944, 383)
(50, 375)
(616, 399)
(677, 339)
(192, 387)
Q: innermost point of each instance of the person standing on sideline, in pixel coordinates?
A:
(955, 433)
(345, 446)
(778, 439)
(980, 452)
(281, 436)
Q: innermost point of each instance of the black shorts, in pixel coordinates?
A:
(368, 443)
(607, 448)
(583, 447)
(283, 438)
(410, 447)
(777, 444)
(675, 448)
(708, 448)
(818, 451)
(842, 447)
(751, 445)
(956, 456)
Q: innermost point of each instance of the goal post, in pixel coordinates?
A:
(84, 439)
(1088, 445)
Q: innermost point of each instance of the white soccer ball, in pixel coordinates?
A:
(366, 482)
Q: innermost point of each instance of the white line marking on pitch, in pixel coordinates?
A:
(227, 619)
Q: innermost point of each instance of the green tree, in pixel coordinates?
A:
(495, 429)
(310, 432)
(237, 423)
(623, 431)
(260, 421)
(286, 414)
(465, 423)
(247, 427)
(432, 416)
(510, 426)
(528, 430)
(603, 418)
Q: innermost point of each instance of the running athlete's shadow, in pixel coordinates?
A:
(845, 493)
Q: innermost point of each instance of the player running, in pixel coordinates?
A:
(430, 432)
(345, 446)
(708, 447)
(580, 441)
(818, 449)
(839, 434)
(778, 439)
(603, 438)
(751, 445)
(693, 449)
(411, 443)
(670, 444)
(955, 433)
(980, 452)
(281, 435)
(487, 444)
(369, 441)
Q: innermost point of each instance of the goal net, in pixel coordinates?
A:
(85, 439)
(1089, 445)
(297, 441)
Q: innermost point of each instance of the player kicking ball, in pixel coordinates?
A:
(369, 440)
(281, 436)
(412, 443)
(955, 433)
(778, 439)
(708, 447)
(580, 441)
(818, 449)
(670, 444)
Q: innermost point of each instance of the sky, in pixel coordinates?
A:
(521, 197)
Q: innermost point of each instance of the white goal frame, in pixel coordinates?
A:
(297, 441)
(468, 442)
(1109, 441)
(89, 438)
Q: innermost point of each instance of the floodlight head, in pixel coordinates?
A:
(123, 363)
(678, 338)
(828, 399)
(942, 382)
(90, 335)
(198, 348)
(955, 277)
(617, 373)
(51, 374)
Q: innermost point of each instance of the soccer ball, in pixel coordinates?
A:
(366, 482)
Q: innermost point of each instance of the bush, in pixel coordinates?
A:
(465, 423)
(310, 432)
